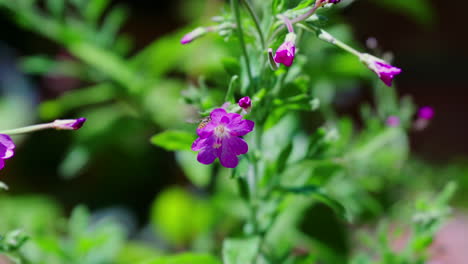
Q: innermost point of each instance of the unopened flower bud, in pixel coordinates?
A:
(245, 103)
(286, 51)
(196, 33)
(385, 71)
(68, 124)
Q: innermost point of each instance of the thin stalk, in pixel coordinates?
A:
(325, 36)
(317, 5)
(249, 7)
(240, 35)
(28, 129)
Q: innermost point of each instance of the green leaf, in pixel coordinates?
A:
(95, 9)
(108, 63)
(73, 99)
(304, 4)
(231, 65)
(172, 140)
(186, 258)
(240, 251)
(79, 221)
(56, 7)
(278, 6)
(319, 194)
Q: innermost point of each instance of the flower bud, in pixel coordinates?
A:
(385, 71)
(196, 33)
(68, 124)
(286, 51)
(245, 103)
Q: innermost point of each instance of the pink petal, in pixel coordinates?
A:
(217, 114)
(6, 141)
(198, 144)
(2, 164)
(236, 145)
(241, 127)
(228, 158)
(206, 156)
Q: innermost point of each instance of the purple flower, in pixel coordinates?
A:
(6, 149)
(393, 121)
(245, 103)
(334, 1)
(426, 112)
(385, 71)
(285, 53)
(220, 138)
(69, 124)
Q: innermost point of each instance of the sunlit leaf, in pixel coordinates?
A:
(174, 140)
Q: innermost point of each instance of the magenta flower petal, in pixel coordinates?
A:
(285, 53)
(241, 127)
(6, 141)
(206, 156)
(6, 149)
(219, 138)
(237, 145)
(198, 144)
(245, 103)
(69, 124)
(217, 114)
(386, 72)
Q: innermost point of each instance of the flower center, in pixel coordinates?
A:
(221, 131)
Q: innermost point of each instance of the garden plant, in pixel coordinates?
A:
(249, 105)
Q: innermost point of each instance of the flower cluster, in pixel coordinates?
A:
(221, 138)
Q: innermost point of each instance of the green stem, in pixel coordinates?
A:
(249, 7)
(240, 35)
(327, 37)
(298, 19)
(28, 129)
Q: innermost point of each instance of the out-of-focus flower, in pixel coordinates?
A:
(68, 124)
(426, 112)
(385, 71)
(6, 149)
(393, 121)
(334, 1)
(220, 138)
(196, 33)
(245, 103)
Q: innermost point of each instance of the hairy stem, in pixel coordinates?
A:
(249, 7)
(240, 35)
